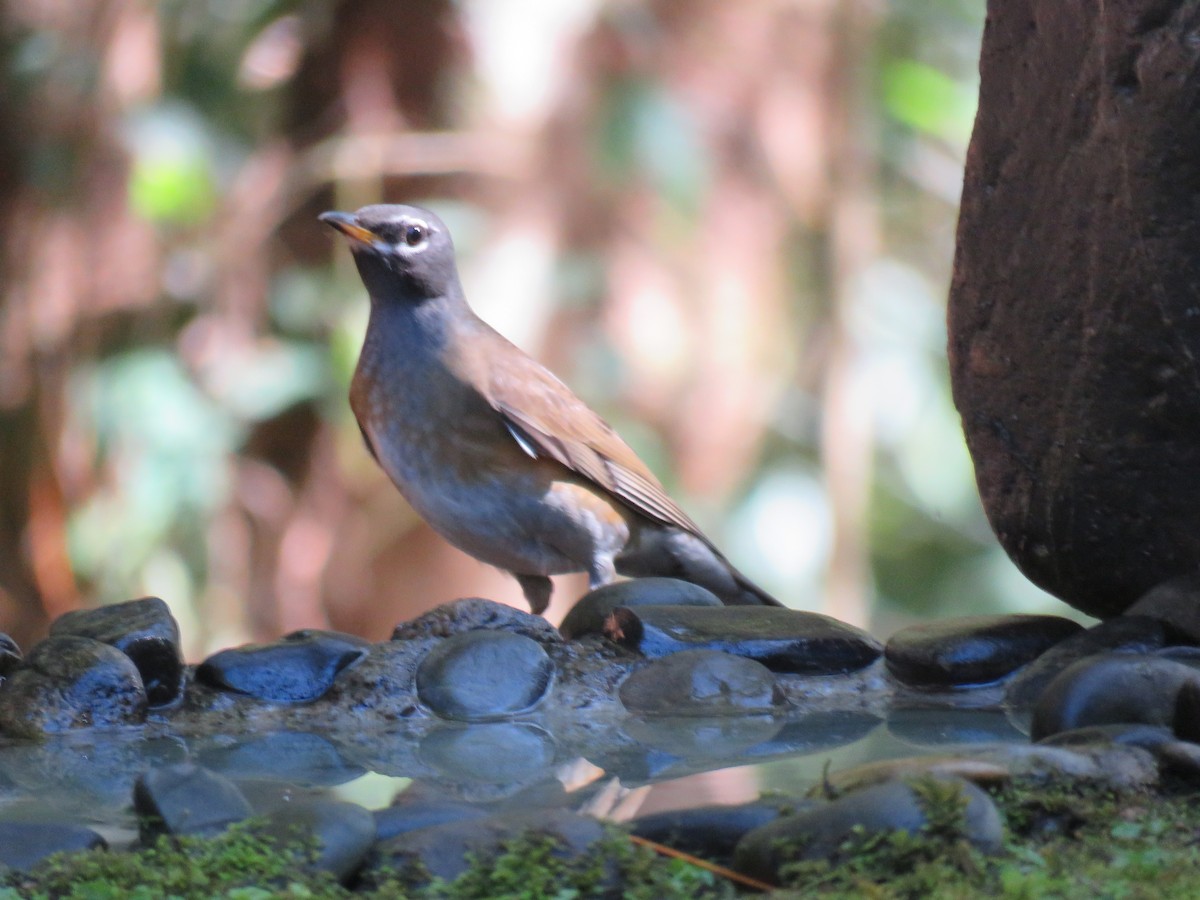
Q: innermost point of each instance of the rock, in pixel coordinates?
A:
(1179, 761)
(71, 682)
(299, 757)
(298, 669)
(88, 773)
(343, 833)
(1148, 737)
(145, 631)
(977, 769)
(1114, 689)
(940, 726)
(663, 747)
(818, 833)
(442, 851)
(1132, 634)
(1175, 603)
(972, 650)
(1118, 767)
(24, 844)
(186, 799)
(1189, 656)
(476, 614)
(784, 640)
(479, 675)
(816, 731)
(401, 818)
(493, 752)
(587, 616)
(709, 832)
(1072, 356)
(692, 737)
(1185, 718)
(702, 683)
(381, 687)
(10, 655)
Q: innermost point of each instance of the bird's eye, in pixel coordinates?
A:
(414, 235)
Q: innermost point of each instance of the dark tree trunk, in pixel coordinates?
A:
(1075, 306)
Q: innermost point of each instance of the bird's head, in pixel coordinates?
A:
(403, 253)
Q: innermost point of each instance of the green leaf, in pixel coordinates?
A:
(928, 100)
(174, 189)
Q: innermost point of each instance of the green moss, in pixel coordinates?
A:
(237, 865)
(1064, 842)
(240, 865)
(533, 867)
(897, 863)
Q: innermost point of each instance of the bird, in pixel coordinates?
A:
(490, 448)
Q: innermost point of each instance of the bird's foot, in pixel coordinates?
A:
(538, 589)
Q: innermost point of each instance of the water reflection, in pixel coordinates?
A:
(637, 767)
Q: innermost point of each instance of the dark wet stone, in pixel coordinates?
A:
(817, 833)
(945, 725)
(546, 793)
(784, 640)
(634, 764)
(10, 655)
(24, 844)
(71, 682)
(973, 649)
(702, 683)
(1175, 603)
(145, 631)
(1111, 689)
(1179, 761)
(710, 832)
(1185, 720)
(1148, 737)
(816, 731)
(186, 799)
(86, 772)
(1122, 767)
(297, 669)
(442, 851)
(343, 638)
(685, 744)
(491, 752)
(343, 833)
(481, 675)
(1125, 634)
(401, 818)
(381, 687)
(266, 795)
(588, 615)
(1189, 656)
(476, 614)
(666, 747)
(298, 757)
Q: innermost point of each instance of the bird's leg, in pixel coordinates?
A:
(537, 589)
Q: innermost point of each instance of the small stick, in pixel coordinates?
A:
(744, 880)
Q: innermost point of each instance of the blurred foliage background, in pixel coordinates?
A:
(728, 225)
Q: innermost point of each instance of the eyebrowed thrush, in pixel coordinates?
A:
(490, 448)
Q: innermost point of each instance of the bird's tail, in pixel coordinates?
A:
(674, 553)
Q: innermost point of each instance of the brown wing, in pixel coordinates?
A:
(548, 420)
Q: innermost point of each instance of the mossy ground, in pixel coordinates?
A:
(239, 865)
(1064, 842)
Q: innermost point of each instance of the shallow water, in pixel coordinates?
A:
(654, 765)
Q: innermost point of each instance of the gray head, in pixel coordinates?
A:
(403, 253)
